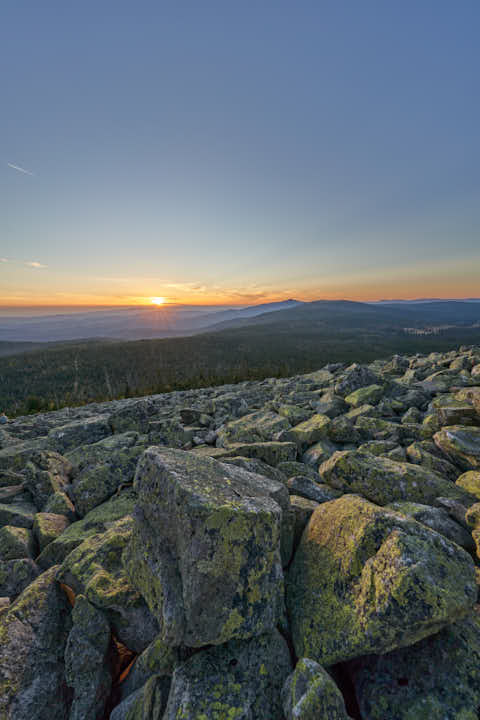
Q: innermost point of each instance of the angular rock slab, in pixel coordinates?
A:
(205, 552)
(383, 481)
(461, 443)
(367, 580)
(95, 569)
(437, 678)
(310, 694)
(241, 680)
(86, 663)
(33, 636)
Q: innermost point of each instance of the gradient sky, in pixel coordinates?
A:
(237, 152)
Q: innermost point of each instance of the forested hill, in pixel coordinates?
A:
(275, 344)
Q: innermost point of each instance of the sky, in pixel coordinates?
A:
(222, 152)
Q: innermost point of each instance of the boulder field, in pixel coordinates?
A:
(304, 548)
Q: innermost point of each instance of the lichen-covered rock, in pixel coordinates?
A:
(146, 703)
(383, 480)
(370, 394)
(97, 521)
(354, 377)
(45, 474)
(14, 457)
(156, 659)
(342, 430)
(437, 519)
(310, 693)
(426, 454)
(60, 504)
(438, 678)
(292, 468)
(16, 575)
(256, 427)
(95, 569)
(100, 468)
(33, 636)
(134, 416)
(17, 514)
(47, 527)
(15, 543)
(461, 444)
(273, 452)
(308, 432)
(86, 663)
(367, 580)
(238, 680)
(470, 481)
(206, 548)
(330, 405)
(258, 467)
(311, 489)
(318, 453)
(79, 432)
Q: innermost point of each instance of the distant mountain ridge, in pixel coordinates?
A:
(127, 323)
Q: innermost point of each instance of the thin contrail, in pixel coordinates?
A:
(20, 169)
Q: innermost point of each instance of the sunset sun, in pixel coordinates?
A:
(157, 300)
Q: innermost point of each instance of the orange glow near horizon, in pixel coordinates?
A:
(158, 301)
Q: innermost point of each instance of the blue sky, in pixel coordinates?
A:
(238, 151)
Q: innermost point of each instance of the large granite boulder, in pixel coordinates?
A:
(438, 678)
(33, 637)
(367, 580)
(383, 480)
(240, 679)
(205, 552)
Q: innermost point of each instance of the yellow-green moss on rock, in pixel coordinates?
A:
(383, 480)
(310, 694)
(241, 679)
(367, 580)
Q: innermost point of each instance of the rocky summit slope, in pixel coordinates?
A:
(299, 548)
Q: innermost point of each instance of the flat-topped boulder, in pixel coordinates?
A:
(79, 432)
(205, 551)
(383, 480)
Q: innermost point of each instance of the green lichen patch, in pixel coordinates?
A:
(383, 480)
(241, 679)
(367, 580)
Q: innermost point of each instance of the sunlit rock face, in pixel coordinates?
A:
(172, 556)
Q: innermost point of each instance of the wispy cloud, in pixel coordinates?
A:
(3, 260)
(35, 264)
(20, 169)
